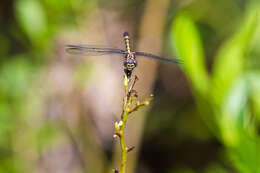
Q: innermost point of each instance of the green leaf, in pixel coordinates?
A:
(30, 14)
(190, 50)
(230, 60)
(215, 168)
(234, 112)
(254, 79)
(245, 156)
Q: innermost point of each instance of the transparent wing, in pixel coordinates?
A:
(92, 50)
(148, 55)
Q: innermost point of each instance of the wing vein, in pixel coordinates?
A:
(92, 50)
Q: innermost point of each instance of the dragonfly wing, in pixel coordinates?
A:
(92, 50)
(148, 55)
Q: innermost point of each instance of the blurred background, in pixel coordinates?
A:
(57, 111)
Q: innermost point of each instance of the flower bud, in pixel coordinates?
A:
(115, 136)
(117, 126)
(146, 103)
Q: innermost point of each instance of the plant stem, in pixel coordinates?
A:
(127, 102)
(123, 145)
(128, 107)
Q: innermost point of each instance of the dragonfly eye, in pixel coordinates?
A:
(125, 63)
(135, 63)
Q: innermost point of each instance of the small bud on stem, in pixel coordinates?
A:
(130, 148)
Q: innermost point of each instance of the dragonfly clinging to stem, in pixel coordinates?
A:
(130, 61)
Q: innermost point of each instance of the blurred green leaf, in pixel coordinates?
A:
(229, 94)
(236, 99)
(31, 16)
(6, 124)
(57, 4)
(254, 79)
(190, 51)
(233, 112)
(10, 165)
(245, 156)
(230, 60)
(15, 78)
(215, 168)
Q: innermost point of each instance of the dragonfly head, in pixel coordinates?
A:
(129, 63)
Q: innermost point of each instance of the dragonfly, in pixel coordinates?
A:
(130, 61)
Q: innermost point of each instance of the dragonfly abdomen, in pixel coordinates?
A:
(127, 41)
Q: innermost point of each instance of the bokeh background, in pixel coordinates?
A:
(57, 111)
